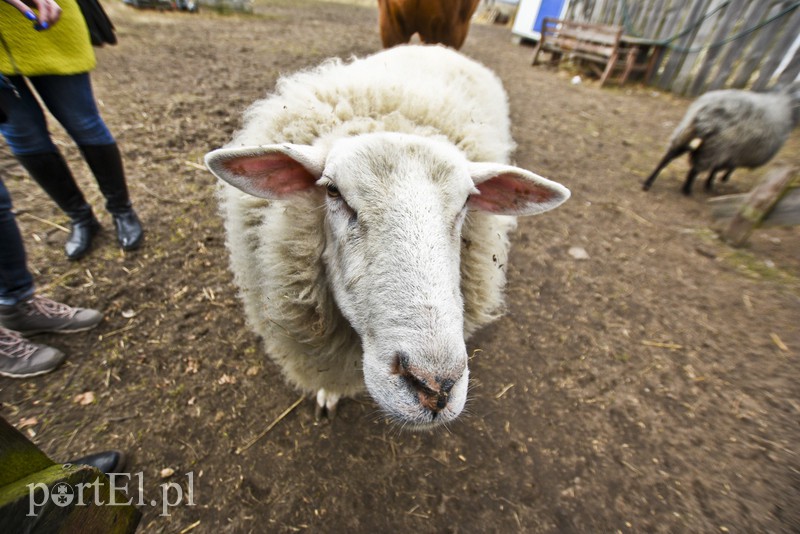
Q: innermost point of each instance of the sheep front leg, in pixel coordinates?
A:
(687, 185)
(326, 404)
(710, 180)
(727, 175)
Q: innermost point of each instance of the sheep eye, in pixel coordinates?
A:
(333, 191)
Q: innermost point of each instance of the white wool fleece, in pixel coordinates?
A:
(276, 246)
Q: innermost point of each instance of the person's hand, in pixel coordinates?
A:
(49, 11)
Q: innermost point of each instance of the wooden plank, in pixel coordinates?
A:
(786, 211)
(655, 19)
(22, 464)
(608, 12)
(734, 52)
(599, 11)
(792, 70)
(18, 456)
(591, 57)
(577, 10)
(758, 204)
(611, 15)
(701, 38)
(80, 514)
(722, 31)
(757, 51)
(591, 39)
(630, 61)
(589, 26)
(572, 10)
(568, 33)
(630, 19)
(642, 16)
(633, 24)
(600, 50)
(675, 58)
(672, 19)
(648, 12)
(789, 33)
(616, 12)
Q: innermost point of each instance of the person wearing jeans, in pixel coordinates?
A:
(23, 312)
(54, 60)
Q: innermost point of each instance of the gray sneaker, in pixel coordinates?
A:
(19, 358)
(40, 314)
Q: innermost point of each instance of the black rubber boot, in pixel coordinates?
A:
(106, 165)
(80, 238)
(105, 162)
(106, 461)
(51, 172)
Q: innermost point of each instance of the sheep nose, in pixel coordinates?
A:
(432, 391)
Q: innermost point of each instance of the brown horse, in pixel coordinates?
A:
(436, 21)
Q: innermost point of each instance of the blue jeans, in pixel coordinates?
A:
(69, 98)
(16, 282)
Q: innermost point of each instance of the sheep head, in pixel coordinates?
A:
(395, 205)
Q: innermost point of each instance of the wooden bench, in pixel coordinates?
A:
(598, 44)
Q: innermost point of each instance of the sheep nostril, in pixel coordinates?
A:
(433, 399)
(433, 393)
(447, 384)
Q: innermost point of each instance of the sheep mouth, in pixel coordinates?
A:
(411, 410)
(423, 421)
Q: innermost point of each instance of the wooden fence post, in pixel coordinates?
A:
(758, 204)
(40, 496)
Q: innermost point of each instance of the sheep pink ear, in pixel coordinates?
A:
(508, 190)
(270, 171)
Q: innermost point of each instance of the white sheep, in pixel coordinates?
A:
(367, 219)
(726, 129)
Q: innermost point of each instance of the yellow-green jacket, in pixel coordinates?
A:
(65, 48)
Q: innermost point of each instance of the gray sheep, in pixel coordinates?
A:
(723, 130)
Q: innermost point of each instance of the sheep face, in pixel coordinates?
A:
(395, 205)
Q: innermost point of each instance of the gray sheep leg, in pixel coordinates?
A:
(669, 156)
(710, 179)
(687, 185)
(727, 175)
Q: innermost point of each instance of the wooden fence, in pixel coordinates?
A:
(709, 44)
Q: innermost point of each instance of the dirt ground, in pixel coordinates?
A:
(652, 386)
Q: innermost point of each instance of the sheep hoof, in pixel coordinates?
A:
(326, 404)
